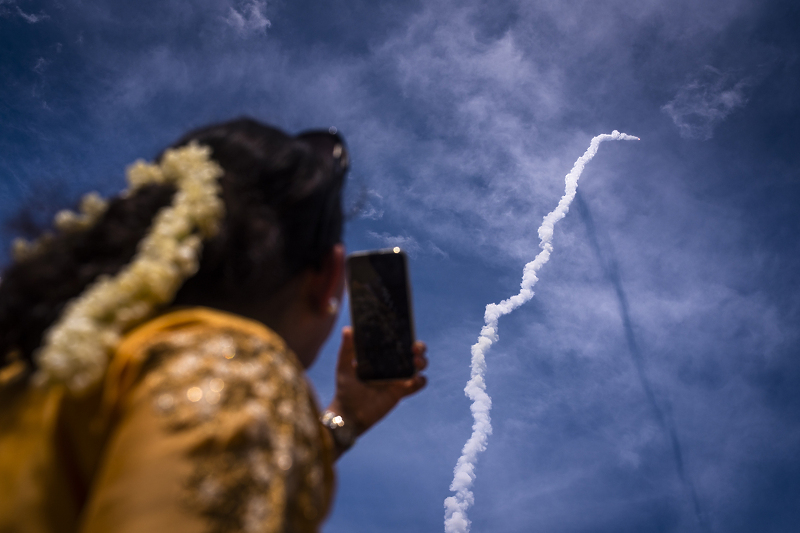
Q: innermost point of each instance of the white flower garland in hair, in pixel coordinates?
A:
(76, 348)
(92, 208)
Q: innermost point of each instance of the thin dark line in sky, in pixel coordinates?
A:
(610, 266)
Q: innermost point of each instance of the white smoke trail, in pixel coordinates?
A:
(455, 515)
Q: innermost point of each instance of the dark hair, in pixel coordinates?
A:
(283, 214)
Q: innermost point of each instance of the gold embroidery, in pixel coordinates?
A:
(259, 458)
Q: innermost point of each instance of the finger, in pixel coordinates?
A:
(347, 351)
(418, 382)
(409, 386)
(420, 361)
(419, 348)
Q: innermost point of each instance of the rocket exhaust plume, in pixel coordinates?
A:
(455, 515)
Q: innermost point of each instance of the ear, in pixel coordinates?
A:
(328, 281)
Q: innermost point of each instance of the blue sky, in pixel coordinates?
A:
(664, 331)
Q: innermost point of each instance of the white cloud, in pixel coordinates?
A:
(481, 100)
(700, 105)
(475, 170)
(249, 18)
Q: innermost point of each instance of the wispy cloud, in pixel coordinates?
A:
(435, 250)
(40, 66)
(407, 243)
(31, 18)
(704, 102)
(364, 203)
(7, 10)
(249, 18)
(371, 212)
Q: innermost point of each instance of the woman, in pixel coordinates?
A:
(154, 347)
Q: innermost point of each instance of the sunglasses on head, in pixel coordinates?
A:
(330, 146)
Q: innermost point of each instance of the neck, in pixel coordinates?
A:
(287, 314)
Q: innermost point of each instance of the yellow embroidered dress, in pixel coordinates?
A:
(204, 423)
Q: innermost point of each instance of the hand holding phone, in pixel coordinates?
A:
(381, 313)
(380, 363)
(364, 403)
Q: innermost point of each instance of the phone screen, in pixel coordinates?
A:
(380, 308)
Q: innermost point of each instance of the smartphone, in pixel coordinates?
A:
(381, 314)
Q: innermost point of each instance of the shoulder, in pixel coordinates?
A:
(198, 337)
(231, 395)
(207, 360)
(192, 329)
